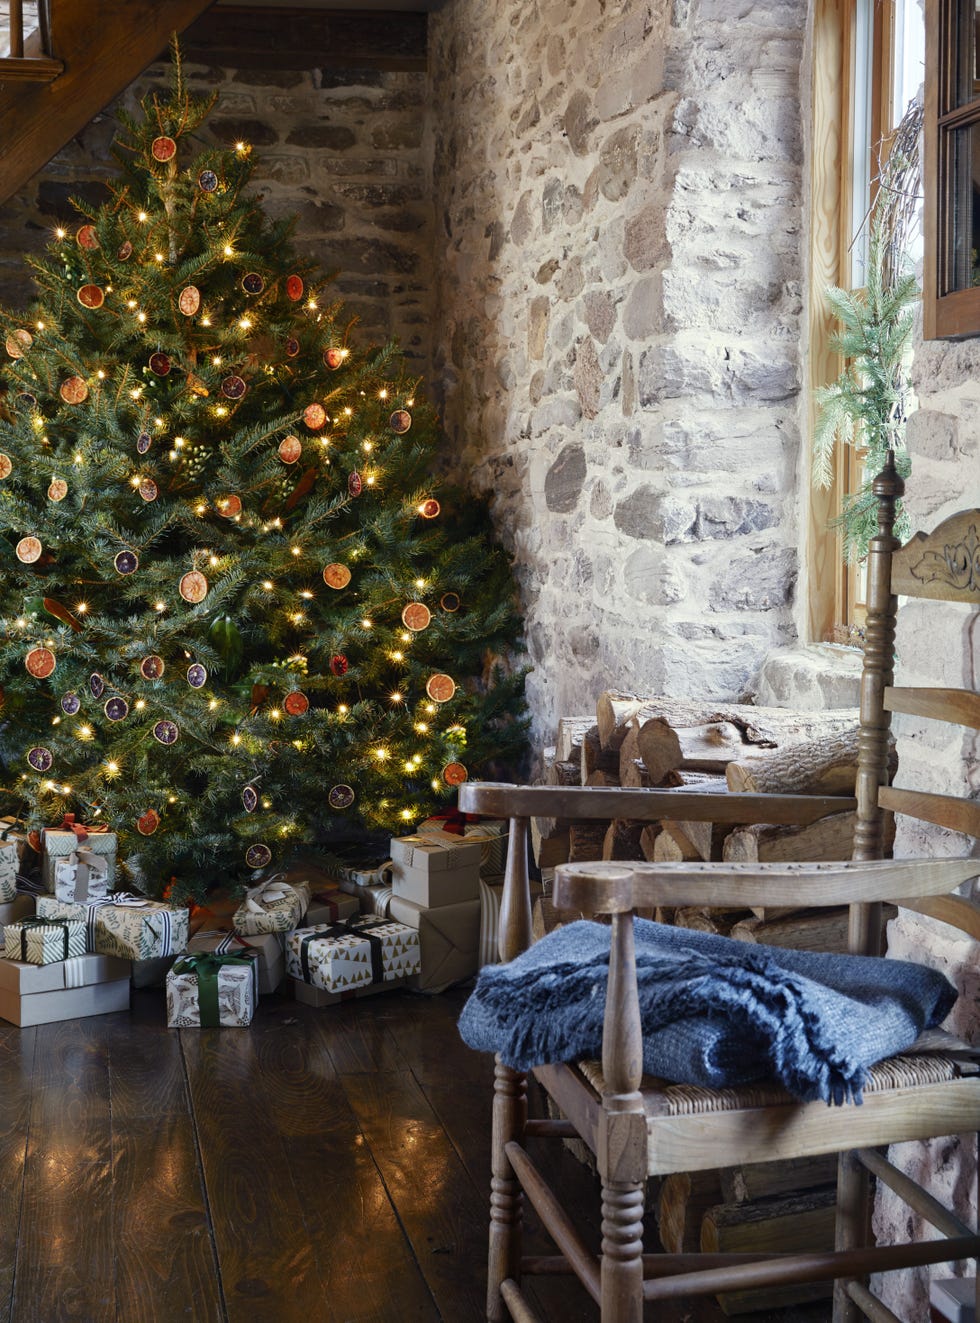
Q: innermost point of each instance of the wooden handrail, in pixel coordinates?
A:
(16, 20)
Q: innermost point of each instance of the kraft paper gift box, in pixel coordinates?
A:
(130, 927)
(67, 990)
(337, 957)
(58, 843)
(432, 872)
(331, 907)
(82, 875)
(273, 907)
(491, 833)
(42, 941)
(206, 990)
(449, 941)
(268, 947)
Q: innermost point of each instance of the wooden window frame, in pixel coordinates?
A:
(957, 314)
(833, 583)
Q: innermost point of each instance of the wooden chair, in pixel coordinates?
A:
(638, 1126)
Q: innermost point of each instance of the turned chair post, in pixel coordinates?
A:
(509, 1091)
(621, 1149)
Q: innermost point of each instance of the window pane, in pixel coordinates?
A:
(962, 266)
(964, 83)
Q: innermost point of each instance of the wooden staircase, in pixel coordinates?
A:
(67, 60)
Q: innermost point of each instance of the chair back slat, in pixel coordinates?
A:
(948, 811)
(961, 706)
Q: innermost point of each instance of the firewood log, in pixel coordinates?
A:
(569, 740)
(708, 919)
(827, 838)
(585, 840)
(634, 775)
(648, 839)
(622, 840)
(629, 750)
(601, 778)
(826, 766)
(596, 759)
(668, 851)
(771, 726)
(807, 930)
(764, 1180)
(797, 1223)
(685, 1197)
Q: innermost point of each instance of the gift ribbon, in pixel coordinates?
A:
(348, 928)
(82, 833)
(75, 970)
(207, 965)
(260, 898)
(454, 821)
(33, 925)
(90, 869)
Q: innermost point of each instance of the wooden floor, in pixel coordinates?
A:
(323, 1166)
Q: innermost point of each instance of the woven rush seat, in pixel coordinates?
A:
(663, 1098)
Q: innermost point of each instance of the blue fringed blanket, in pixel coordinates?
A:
(715, 1012)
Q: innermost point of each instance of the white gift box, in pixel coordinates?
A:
(58, 843)
(236, 988)
(42, 941)
(67, 990)
(82, 875)
(338, 957)
(433, 872)
(9, 865)
(435, 854)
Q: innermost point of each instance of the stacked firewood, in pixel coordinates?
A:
(712, 748)
(716, 748)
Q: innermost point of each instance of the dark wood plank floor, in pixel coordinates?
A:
(323, 1166)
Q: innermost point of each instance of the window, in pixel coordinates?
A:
(868, 63)
(951, 278)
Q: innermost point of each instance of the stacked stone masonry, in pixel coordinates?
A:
(618, 223)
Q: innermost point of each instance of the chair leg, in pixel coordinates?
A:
(506, 1199)
(622, 1253)
(853, 1226)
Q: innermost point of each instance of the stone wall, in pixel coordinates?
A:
(340, 149)
(938, 643)
(618, 228)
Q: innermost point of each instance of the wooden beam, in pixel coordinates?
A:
(30, 69)
(36, 121)
(255, 37)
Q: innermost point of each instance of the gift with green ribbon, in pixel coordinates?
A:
(43, 941)
(206, 989)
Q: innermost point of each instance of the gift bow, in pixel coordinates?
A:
(207, 965)
(259, 899)
(82, 833)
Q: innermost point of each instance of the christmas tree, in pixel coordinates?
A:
(238, 615)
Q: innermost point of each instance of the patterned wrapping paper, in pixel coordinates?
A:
(130, 927)
(9, 868)
(42, 941)
(491, 833)
(208, 990)
(58, 843)
(271, 967)
(273, 907)
(80, 876)
(491, 894)
(338, 957)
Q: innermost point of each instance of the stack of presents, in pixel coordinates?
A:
(73, 945)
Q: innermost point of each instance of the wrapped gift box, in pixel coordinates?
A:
(449, 886)
(311, 996)
(274, 907)
(21, 907)
(82, 875)
(68, 990)
(330, 907)
(491, 833)
(267, 946)
(13, 831)
(206, 990)
(130, 927)
(42, 941)
(58, 843)
(491, 894)
(449, 941)
(337, 957)
(353, 880)
(9, 868)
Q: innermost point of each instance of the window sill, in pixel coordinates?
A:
(812, 678)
